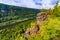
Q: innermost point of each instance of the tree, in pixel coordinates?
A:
(56, 10)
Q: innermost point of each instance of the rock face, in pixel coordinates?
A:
(32, 31)
(35, 29)
(42, 17)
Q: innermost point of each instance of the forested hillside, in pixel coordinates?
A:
(11, 14)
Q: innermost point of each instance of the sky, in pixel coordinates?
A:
(36, 4)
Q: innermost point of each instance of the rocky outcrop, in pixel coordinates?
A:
(42, 17)
(35, 29)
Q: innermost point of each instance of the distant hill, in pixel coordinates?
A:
(10, 12)
(10, 7)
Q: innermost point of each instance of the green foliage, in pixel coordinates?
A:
(15, 32)
(50, 29)
(56, 10)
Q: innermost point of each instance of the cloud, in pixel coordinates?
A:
(38, 4)
(59, 3)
